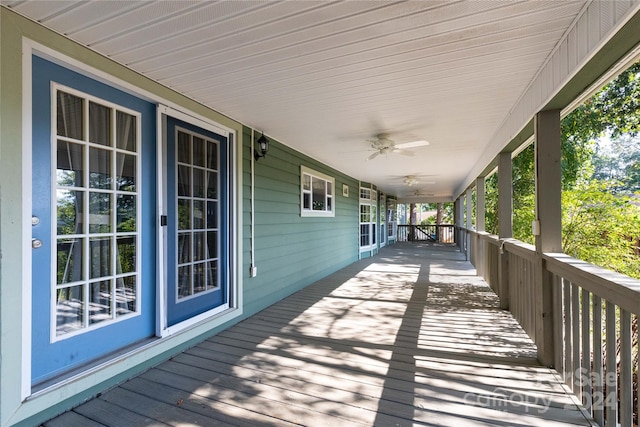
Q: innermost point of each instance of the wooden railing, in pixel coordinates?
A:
(594, 312)
(443, 233)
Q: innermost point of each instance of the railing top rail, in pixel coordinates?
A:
(619, 289)
(524, 250)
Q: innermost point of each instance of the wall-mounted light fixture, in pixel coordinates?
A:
(262, 148)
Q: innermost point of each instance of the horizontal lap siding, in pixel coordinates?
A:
(291, 251)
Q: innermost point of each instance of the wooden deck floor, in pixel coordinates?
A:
(409, 337)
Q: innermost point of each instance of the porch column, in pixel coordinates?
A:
(548, 173)
(481, 254)
(480, 204)
(460, 221)
(469, 223)
(412, 222)
(439, 221)
(505, 224)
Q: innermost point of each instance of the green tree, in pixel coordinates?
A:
(601, 228)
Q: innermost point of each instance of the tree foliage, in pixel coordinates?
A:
(600, 217)
(601, 227)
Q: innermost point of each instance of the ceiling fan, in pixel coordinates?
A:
(419, 193)
(411, 180)
(382, 144)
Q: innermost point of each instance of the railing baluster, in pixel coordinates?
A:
(611, 377)
(568, 339)
(626, 387)
(557, 324)
(575, 325)
(598, 389)
(585, 372)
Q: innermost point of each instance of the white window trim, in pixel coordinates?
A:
(372, 201)
(314, 213)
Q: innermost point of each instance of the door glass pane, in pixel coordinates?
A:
(69, 260)
(99, 124)
(184, 148)
(100, 212)
(184, 181)
(69, 164)
(69, 309)
(212, 274)
(199, 284)
(126, 131)
(212, 244)
(125, 172)
(198, 246)
(184, 248)
(184, 214)
(125, 295)
(198, 182)
(184, 281)
(69, 212)
(198, 214)
(100, 168)
(198, 151)
(212, 155)
(212, 185)
(100, 258)
(212, 215)
(126, 209)
(126, 255)
(99, 301)
(70, 111)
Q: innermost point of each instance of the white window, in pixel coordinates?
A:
(317, 190)
(368, 219)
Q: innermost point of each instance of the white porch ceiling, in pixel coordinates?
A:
(323, 77)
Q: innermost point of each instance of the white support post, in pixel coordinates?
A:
(481, 254)
(548, 174)
(469, 222)
(480, 204)
(505, 224)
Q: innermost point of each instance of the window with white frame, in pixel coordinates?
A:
(368, 218)
(317, 190)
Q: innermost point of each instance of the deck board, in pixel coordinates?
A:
(409, 337)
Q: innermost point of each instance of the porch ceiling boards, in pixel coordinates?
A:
(391, 340)
(323, 77)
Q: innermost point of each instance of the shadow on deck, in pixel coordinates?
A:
(409, 337)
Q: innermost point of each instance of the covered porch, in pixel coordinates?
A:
(412, 336)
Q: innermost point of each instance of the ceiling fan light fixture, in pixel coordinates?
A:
(410, 180)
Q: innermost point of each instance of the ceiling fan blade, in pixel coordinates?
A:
(413, 144)
(373, 156)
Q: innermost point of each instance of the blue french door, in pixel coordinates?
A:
(197, 220)
(94, 221)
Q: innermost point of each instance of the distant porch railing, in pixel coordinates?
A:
(594, 312)
(443, 233)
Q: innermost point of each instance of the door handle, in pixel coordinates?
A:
(36, 243)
